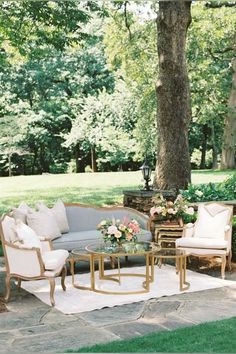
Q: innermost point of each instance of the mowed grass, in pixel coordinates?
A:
(211, 337)
(90, 188)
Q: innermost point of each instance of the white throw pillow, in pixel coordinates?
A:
(8, 227)
(27, 235)
(211, 226)
(59, 211)
(21, 212)
(44, 224)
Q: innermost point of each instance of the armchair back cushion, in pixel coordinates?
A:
(212, 220)
(8, 228)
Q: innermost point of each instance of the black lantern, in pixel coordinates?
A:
(146, 171)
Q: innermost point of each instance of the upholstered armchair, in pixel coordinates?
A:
(27, 262)
(210, 235)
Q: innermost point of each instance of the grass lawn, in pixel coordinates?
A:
(89, 188)
(211, 337)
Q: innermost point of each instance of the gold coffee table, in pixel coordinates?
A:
(180, 262)
(102, 251)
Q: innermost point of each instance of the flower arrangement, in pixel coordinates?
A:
(116, 231)
(168, 210)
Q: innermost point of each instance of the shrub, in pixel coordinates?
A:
(212, 191)
(234, 239)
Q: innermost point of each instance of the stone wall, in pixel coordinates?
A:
(141, 200)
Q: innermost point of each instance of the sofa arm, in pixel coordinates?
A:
(46, 244)
(19, 259)
(228, 236)
(188, 230)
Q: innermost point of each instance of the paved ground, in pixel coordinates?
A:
(31, 326)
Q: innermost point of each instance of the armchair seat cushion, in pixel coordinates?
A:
(53, 260)
(199, 242)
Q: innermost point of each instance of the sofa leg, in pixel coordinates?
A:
(63, 276)
(223, 264)
(8, 287)
(112, 262)
(52, 288)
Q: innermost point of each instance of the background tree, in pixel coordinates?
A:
(173, 95)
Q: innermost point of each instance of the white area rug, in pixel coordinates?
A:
(73, 300)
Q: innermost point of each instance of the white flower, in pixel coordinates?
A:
(170, 211)
(112, 229)
(103, 223)
(117, 234)
(198, 193)
(190, 211)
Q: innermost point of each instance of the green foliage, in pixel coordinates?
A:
(212, 191)
(234, 239)
(106, 123)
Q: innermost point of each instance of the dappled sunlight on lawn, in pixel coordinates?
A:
(102, 188)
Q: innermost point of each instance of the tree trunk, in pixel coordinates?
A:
(228, 159)
(173, 96)
(93, 159)
(9, 165)
(78, 160)
(214, 147)
(204, 146)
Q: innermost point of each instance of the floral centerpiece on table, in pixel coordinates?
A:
(171, 211)
(115, 231)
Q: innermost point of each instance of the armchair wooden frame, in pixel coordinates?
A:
(224, 253)
(35, 255)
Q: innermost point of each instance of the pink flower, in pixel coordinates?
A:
(129, 237)
(134, 227)
(112, 229)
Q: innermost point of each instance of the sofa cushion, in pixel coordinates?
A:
(44, 224)
(194, 242)
(78, 239)
(54, 259)
(59, 212)
(21, 212)
(81, 239)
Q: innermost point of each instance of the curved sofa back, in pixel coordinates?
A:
(82, 217)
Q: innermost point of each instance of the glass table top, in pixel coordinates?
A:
(169, 252)
(126, 248)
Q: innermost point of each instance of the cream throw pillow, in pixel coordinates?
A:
(44, 224)
(59, 211)
(211, 226)
(21, 212)
(27, 235)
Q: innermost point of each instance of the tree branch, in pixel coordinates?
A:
(127, 25)
(218, 4)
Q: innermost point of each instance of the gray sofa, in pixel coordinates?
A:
(83, 221)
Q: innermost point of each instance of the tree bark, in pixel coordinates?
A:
(78, 160)
(204, 146)
(93, 159)
(173, 96)
(214, 147)
(228, 158)
(9, 165)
